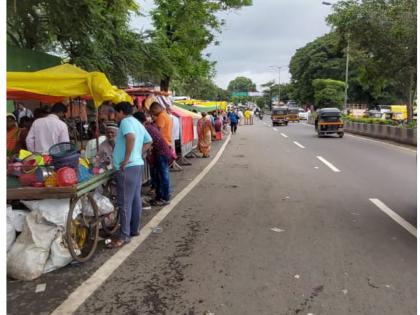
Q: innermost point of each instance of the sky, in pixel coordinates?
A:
(260, 36)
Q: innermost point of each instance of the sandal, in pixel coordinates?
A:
(116, 244)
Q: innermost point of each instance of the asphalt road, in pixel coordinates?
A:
(271, 229)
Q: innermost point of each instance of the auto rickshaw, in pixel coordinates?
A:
(293, 115)
(279, 116)
(328, 121)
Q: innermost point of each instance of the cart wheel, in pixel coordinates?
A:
(341, 134)
(82, 230)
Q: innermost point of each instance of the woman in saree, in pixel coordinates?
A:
(205, 132)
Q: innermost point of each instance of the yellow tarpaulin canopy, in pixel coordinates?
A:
(66, 81)
(221, 105)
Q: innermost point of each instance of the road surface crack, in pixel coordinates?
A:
(307, 302)
(162, 290)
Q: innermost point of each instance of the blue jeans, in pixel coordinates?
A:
(162, 178)
(129, 184)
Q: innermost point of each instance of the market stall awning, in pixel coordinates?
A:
(63, 81)
(212, 104)
(198, 108)
(180, 112)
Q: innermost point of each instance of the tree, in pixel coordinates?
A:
(183, 29)
(386, 31)
(242, 84)
(328, 93)
(91, 34)
(324, 58)
(200, 88)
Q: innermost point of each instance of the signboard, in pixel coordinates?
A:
(247, 94)
(239, 93)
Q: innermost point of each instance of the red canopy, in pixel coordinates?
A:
(186, 124)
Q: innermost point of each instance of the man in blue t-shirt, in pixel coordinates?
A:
(131, 141)
(233, 117)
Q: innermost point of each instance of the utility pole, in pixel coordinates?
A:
(279, 69)
(347, 74)
(347, 63)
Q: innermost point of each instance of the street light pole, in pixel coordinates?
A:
(347, 74)
(347, 64)
(279, 69)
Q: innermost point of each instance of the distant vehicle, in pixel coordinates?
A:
(291, 104)
(302, 114)
(328, 121)
(293, 114)
(279, 115)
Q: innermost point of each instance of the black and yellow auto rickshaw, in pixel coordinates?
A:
(279, 116)
(293, 115)
(328, 121)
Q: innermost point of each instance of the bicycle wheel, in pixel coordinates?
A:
(82, 230)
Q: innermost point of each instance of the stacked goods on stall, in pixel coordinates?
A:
(60, 189)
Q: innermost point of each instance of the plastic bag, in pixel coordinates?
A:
(59, 255)
(105, 205)
(53, 210)
(28, 255)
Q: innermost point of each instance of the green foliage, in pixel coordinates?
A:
(91, 34)
(328, 93)
(386, 32)
(242, 84)
(379, 121)
(200, 88)
(183, 29)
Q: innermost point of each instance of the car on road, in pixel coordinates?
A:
(302, 114)
(328, 121)
(279, 115)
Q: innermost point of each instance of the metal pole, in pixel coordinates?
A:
(347, 74)
(279, 83)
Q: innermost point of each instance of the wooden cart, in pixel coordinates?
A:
(82, 229)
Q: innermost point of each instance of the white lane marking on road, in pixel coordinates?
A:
(330, 165)
(394, 216)
(275, 129)
(82, 293)
(265, 123)
(284, 135)
(299, 145)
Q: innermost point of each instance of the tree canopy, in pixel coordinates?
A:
(183, 29)
(328, 93)
(242, 84)
(386, 32)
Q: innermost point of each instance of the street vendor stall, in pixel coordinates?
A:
(62, 174)
(188, 130)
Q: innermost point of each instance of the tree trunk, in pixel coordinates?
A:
(164, 83)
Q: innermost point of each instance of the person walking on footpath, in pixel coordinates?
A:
(205, 132)
(132, 140)
(233, 117)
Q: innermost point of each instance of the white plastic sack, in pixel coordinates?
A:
(28, 255)
(53, 210)
(105, 205)
(18, 219)
(11, 234)
(59, 255)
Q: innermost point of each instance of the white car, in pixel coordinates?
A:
(302, 114)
